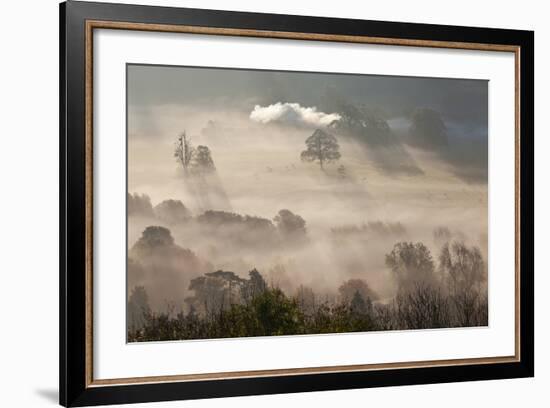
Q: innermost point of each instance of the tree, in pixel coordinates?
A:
(154, 236)
(197, 159)
(139, 204)
(305, 297)
(427, 130)
(342, 171)
(237, 230)
(172, 211)
(464, 271)
(209, 294)
(275, 314)
(254, 286)
(352, 286)
(202, 160)
(322, 147)
(216, 291)
(290, 224)
(138, 308)
(441, 235)
(135, 273)
(463, 267)
(366, 125)
(183, 151)
(360, 305)
(411, 264)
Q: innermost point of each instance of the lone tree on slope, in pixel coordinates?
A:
(183, 151)
(322, 147)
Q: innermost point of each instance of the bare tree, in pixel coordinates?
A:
(463, 267)
(342, 171)
(421, 307)
(183, 151)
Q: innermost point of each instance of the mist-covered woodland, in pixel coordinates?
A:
(280, 203)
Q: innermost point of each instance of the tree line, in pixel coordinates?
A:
(449, 292)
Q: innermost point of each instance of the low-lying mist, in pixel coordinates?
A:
(232, 218)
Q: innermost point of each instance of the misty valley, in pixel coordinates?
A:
(273, 203)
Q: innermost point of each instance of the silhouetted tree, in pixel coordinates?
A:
(238, 229)
(183, 151)
(342, 171)
(427, 130)
(464, 270)
(422, 306)
(216, 291)
(290, 224)
(202, 160)
(366, 125)
(209, 295)
(352, 286)
(411, 264)
(322, 147)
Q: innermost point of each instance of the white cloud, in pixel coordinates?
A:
(292, 113)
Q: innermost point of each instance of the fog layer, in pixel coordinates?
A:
(393, 181)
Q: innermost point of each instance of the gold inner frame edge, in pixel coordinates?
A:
(100, 24)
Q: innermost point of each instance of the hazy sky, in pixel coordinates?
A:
(458, 100)
(462, 104)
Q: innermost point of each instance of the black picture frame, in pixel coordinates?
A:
(74, 300)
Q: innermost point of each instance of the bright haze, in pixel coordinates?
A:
(412, 167)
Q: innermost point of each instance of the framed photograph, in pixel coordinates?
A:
(256, 204)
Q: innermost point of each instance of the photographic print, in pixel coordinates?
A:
(355, 197)
(265, 203)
